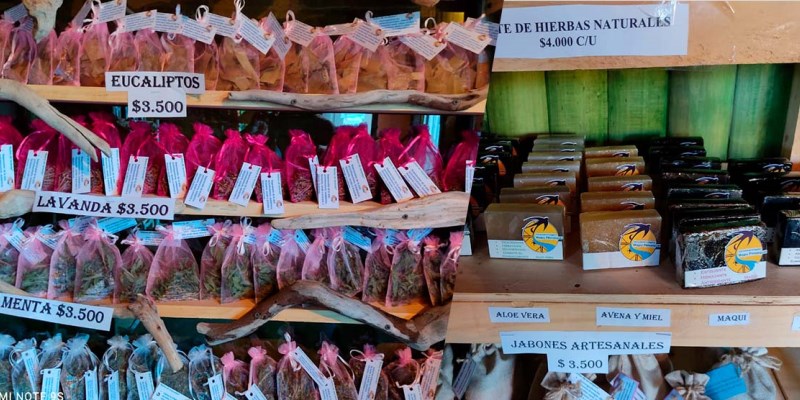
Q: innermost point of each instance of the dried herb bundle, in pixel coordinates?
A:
(431, 267)
(78, 359)
(148, 46)
(115, 359)
(406, 283)
(295, 78)
(452, 71)
(9, 256)
(450, 265)
(403, 371)
(264, 259)
(377, 269)
(131, 277)
(373, 71)
(290, 262)
(142, 360)
(344, 265)
(20, 379)
(406, 66)
(270, 74)
(63, 263)
(23, 52)
(347, 56)
(6, 347)
(315, 265)
(178, 53)
(98, 261)
(292, 381)
(321, 65)
(33, 269)
(211, 260)
(235, 375)
(41, 72)
(123, 51)
(329, 361)
(94, 55)
(238, 66)
(262, 372)
(206, 62)
(174, 274)
(202, 366)
(358, 363)
(67, 57)
(179, 381)
(237, 275)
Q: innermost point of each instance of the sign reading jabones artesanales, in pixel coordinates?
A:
(594, 30)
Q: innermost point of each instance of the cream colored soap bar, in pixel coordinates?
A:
(562, 140)
(553, 166)
(547, 155)
(567, 179)
(617, 201)
(620, 239)
(547, 195)
(614, 166)
(620, 183)
(611, 151)
(525, 231)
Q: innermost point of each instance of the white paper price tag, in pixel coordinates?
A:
(461, 382)
(156, 103)
(282, 44)
(729, 319)
(111, 172)
(114, 225)
(643, 317)
(90, 385)
(430, 376)
(57, 312)
(201, 187)
(81, 171)
(327, 187)
(367, 36)
(589, 391)
(6, 168)
(176, 175)
(254, 393)
(139, 21)
(164, 392)
(144, 384)
(112, 383)
(488, 28)
(370, 378)
(519, 315)
(31, 361)
(16, 237)
(583, 362)
(469, 176)
(185, 82)
(418, 179)
(168, 23)
(300, 32)
(302, 358)
(102, 206)
(253, 34)
(393, 181)
(198, 31)
(425, 45)
(33, 174)
(111, 10)
(245, 183)
(327, 391)
(465, 38)
(272, 193)
(412, 392)
(133, 185)
(225, 26)
(399, 24)
(51, 382)
(313, 162)
(356, 179)
(193, 229)
(216, 387)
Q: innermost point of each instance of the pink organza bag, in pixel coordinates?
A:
(237, 274)
(377, 268)
(431, 267)
(452, 71)
(123, 55)
(98, 261)
(178, 55)
(149, 49)
(63, 263)
(173, 142)
(43, 138)
(234, 373)
(33, 268)
(41, 72)
(140, 133)
(455, 172)
(290, 262)
(450, 265)
(130, 279)
(264, 259)
(389, 145)
(373, 71)
(9, 255)
(403, 371)
(345, 267)
(262, 372)
(154, 151)
(298, 172)
(202, 150)
(406, 282)
(206, 62)
(270, 66)
(422, 150)
(261, 155)
(238, 66)
(6, 28)
(103, 125)
(95, 55)
(337, 149)
(406, 67)
(212, 258)
(64, 159)
(67, 58)
(174, 273)
(23, 53)
(8, 133)
(295, 77)
(365, 146)
(358, 362)
(315, 265)
(331, 364)
(292, 381)
(321, 65)
(228, 162)
(347, 55)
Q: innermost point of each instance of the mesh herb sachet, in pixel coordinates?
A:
(262, 372)
(63, 263)
(315, 265)
(203, 364)
(131, 276)
(237, 275)
(336, 368)
(115, 361)
(178, 381)
(235, 375)
(403, 371)
(264, 259)
(290, 262)
(406, 283)
(6, 347)
(97, 261)
(77, 361)
(33, 269)
(344, 265)
(292, 380)
(23, 380)
(174, 274)
(9, 255)
(450, 265)
(142, 361)
(212, 258)
(431, 267)
(377, 268)
(358, 362)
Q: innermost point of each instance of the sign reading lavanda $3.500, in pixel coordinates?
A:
(104, 206)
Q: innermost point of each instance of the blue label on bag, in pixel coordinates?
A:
(302, 240)
(390, 238)
(275, 237)
(418, 234)
(356, 238)
(113, 225)
(193, 229)
(725, 382)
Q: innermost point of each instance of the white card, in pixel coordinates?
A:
(519, 314)
(370, 378)
(589, 390)
(225, 26)
(282, 43)
(6, 168)
(144, 384)
(327, 390)
(33, 175)
(425, 45)
(465, 38)
(272, 193)
(312, 165)
(327, 187)
(111, 10)
(469, 176)
(399, 24)
(164, 392)
(156, 103)
(643, 317)
(81, 171)
(216, 387)
(430, 376)
(254, 393)
(245, 183)
(418, 179)
(90, 385)
(461, 382)
(112, 383)
(201, 187)
(50, 383)
(110, 171)
(176, 175)
(138, 21)
(15, 13)
(367, 35)
(393, 181)
(356, 179)
(412, 392)
(168, 23)
(253, 34)
(31, 361)
(134, 176)
(198, 31)
(299, 32)
(729, 319)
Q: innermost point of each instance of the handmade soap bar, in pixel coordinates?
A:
(678, 141)
(696, 191)
(548, 155)
(787, 238)
(772, 205)
(657, 152)
(720, 253)
(525, 231)
(614, 166)
(562, 140)
(553, 166)
(546, 179)
(686, 204)
(549, 195)
(699, 176)
(620, 183)
(682, 218)
(775, 165)
(671, 163)
(617, 201)
(620, 239)
(770, 183)
(611, 151)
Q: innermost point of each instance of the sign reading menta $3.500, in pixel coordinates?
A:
(594, 30)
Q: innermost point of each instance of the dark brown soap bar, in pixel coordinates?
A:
(698, 176)
(672, 163)
(620, 239)
(617, 201)
(614, 166)
(677, 141)
(775, 165)
(620, 183)
(525, 231)
(787, 238)
(696, 191)
(685, 204)
(611, 151)
(567, 179)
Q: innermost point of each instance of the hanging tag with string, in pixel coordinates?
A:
(198, 28)
(245, 183)
(250, 31)
(327, 187)
(399, 24)
(282, 44)
(176, 174)
(366, 34)
(272, 193)
(297, 31)
(466, 38)
(227, 27)
(133, 185)
(33, 174)
(138, 21)
(424, 43)
(81, 171)
(169, 23)
(482, 26)
(111, 10)
(430, 375)
(464, 376)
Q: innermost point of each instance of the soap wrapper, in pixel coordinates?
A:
(620, 239)
(525, 231)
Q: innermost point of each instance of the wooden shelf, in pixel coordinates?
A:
(219, 99)
(572, 296)
(212, 309)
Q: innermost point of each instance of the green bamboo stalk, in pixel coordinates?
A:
(578, 103)
(637, 103)
(759, 110)
(701, 104)
(517, 103)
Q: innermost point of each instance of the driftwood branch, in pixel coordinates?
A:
(27, 98)
(44, 12)
(420, 333)
(145, 310)
(437, 211)
(316, 102)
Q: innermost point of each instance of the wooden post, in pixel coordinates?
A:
(637, 103)
(578, 103)
(517, 103)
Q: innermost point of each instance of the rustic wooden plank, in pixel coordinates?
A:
(759, 110)
(791, 132)
(740, 32)
(701, 104)
(517, 103)
(578, 103)
(637, 103)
